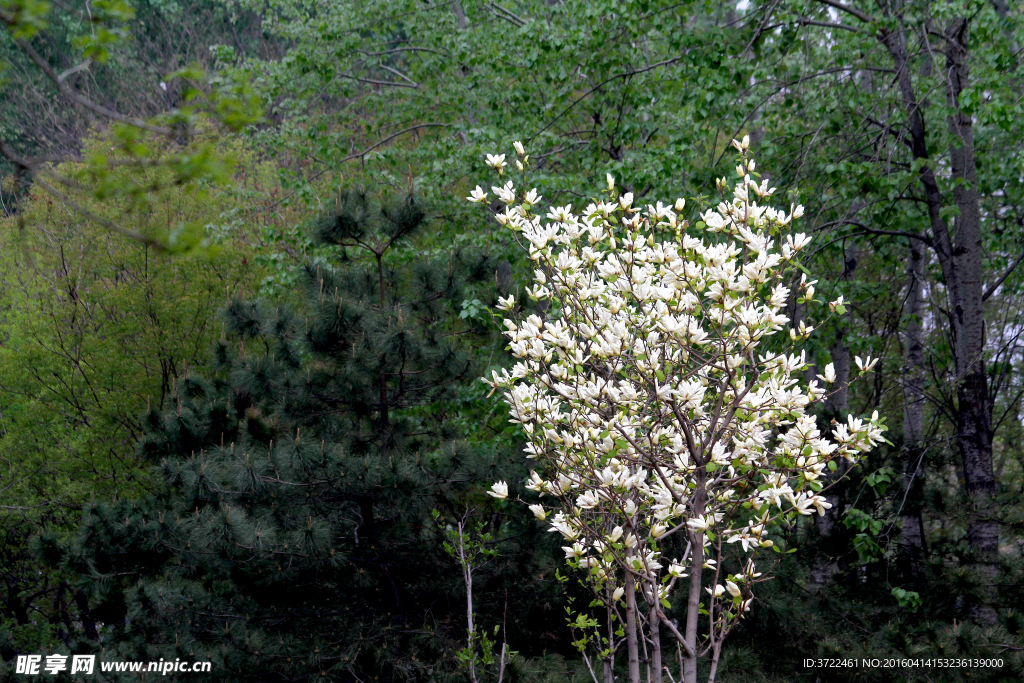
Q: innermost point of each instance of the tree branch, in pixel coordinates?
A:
(400, 75)
(506, 14)
(1006, 273)
(83, 101)
(825, 24)
(872, 231)
(600, 85)
(359, 155)
(373, 82)
(852, 11)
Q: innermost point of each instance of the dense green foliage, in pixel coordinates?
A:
(864, 109)
(94, 327)
(298, 476)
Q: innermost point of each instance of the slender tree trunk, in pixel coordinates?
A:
(632, 647)
(693, 608)
(85, 615)
(460, 14)
(912, 536)
(696, 570)
(655, 634)
(975, 407)
(467, 577)
(609, 661)
(716, 656)
(382, 376)
(838, 405)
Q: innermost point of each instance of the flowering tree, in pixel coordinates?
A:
(660, 401)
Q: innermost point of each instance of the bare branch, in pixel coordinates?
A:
(508, 15)
(1006, 273)
(83, 101)
(852, 11)
(400, 75)
(624, 74)
(825, 24)
(872, 231)
(75, 69)
(373, 82)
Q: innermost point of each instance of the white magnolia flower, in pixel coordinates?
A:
(574, 551)
(830, 374)
(718, 591)
(866, 365)
(506, 194)
(497, 162)
(539, 512)
(499, 490)
(519, 148)
(477, 195)
(820, 504)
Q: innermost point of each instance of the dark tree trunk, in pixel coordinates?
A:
(912, 535)
(974, 423)
(837, 405)
(960, 257)
(85, 614)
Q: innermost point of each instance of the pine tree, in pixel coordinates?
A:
(293, 538)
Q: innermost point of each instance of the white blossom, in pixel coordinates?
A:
(477, 195)
(499, 490)
(866, 364)
(830, 374)
(497, 162)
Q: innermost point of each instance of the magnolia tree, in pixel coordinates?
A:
(662, 400)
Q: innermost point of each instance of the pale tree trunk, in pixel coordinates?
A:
(609, 661)
(655, 634)
(632, 649)
(460, 14)
(716, 656)
(912, 534)
(467, 578)
(693, 609)
(632, 621)
(693, 599)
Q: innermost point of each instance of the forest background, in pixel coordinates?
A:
(182, 184)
